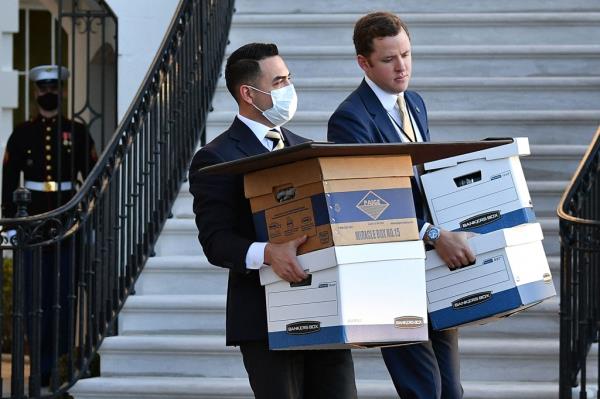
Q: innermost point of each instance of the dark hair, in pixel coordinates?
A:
(374, 25)
(242, 65)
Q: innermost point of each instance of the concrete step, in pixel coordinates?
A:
(513, 359)
(542, 127)
(551, 241)
(182, 274)
(546, 163)
(153, 355)
(184, 203)
(477, 93)
(554, 161)
(239, 388)
(193, 275)
(545, 196)
(554, 263)
(425, 28)
(539, 321)
(451, 60)
(179, 237)
(529, 359)
(441, 6)
(173, 314)
(176, 314)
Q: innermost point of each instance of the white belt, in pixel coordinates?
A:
(48, 186)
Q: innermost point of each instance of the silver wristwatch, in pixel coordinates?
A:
(432, 234)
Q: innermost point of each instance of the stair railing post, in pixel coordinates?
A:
(22, 198)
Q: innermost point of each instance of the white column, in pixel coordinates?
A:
(142, 25)
(9, 94)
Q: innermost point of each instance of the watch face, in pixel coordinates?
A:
(433, 233)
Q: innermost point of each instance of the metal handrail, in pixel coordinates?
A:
(579, 216)
(91, 250)
(573, 185)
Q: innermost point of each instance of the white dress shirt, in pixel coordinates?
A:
(260, 131)
(390, 104)
(255, 257)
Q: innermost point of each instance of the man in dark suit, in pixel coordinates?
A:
(381, 110)
(259, 80)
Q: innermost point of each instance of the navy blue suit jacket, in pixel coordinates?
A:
(361, 118)
(426, 370)
(226, 230)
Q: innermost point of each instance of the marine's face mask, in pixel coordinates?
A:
(47, 97)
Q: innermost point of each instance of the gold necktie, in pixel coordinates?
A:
(405, 118)
(276, 138)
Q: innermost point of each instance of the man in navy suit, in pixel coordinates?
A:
(381, 110)
(259, 80)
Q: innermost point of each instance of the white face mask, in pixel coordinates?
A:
(285, 103)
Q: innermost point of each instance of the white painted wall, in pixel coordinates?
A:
(142, 25)
(9, 94)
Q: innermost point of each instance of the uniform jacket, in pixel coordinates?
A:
(33, 148)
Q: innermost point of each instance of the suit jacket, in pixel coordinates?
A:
(226, 230)
(361, 118)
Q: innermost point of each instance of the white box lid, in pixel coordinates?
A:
(519, 146)
(483, 243)
(338, 255)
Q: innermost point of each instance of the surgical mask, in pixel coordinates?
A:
(284, 106)
(48, 101)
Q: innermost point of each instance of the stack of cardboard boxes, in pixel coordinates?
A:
(366, 265)
(485, 192)
(369, 283)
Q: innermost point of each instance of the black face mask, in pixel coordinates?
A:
(48, 101)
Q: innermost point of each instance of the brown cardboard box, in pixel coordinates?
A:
(334, 200)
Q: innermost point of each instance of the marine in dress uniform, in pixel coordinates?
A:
(53, 159)
(40, 151)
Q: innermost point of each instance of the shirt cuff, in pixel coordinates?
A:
(255, 257)
(423, 230)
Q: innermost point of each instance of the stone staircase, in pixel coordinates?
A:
(486, 69)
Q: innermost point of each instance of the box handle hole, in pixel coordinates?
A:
(467, 179)
(303, 283)
(283, 194)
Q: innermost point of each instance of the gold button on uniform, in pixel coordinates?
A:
(48, 129)
(48, 148)
(48, 177)
(48, 157)
(47, 138)
(48, 167)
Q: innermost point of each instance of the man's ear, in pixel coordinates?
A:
(363, 62)
(245, 94)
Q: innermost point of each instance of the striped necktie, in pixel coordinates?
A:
(405, 118)
(276, 138)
